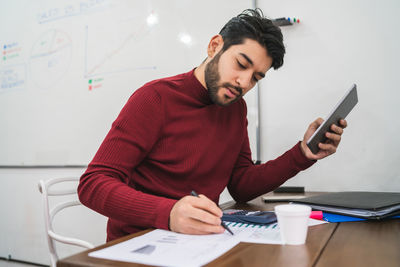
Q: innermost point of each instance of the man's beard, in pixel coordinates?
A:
(212, 79)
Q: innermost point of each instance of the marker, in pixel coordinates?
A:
(193, 193)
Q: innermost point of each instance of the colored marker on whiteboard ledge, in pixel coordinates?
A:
(294, 20)
(285, 21)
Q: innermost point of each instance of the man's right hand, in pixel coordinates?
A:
(195, 215)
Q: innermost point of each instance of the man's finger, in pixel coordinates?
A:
(337, 129)
(315, 124)
(327, 147)
(199, 228)
(204, 203)
(343, 123)
(334, 137)
(205, 216)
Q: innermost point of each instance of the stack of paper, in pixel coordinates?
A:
(161, 248)
(368, 205)
(165, 248)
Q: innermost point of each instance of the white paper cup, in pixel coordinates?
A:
(293, 223)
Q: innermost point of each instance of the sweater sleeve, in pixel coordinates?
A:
(249, 181)
(106, 186)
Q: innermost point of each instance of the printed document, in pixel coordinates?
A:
(166, 248)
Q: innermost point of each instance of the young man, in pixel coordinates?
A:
(189, 132)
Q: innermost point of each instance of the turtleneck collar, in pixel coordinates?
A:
(197, 88)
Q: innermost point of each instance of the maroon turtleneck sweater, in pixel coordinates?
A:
(170, 139)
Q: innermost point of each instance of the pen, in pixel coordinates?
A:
(193, 193)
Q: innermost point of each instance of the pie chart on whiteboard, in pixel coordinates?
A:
(50, 58)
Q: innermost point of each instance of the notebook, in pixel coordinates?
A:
(368, 205)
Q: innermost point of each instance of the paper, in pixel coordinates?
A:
(312, 222)
(262, 234)
(166, 248)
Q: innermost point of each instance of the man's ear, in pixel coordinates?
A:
(215, 45)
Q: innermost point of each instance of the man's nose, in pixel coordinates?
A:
(244, 81)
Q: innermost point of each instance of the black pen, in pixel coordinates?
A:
(193, 193)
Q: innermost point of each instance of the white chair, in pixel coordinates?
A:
(46, 190)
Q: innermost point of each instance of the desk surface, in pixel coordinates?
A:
(372, 243)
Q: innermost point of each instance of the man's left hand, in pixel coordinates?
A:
(327, 148)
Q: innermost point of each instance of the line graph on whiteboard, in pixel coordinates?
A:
(50, 57)
(118, 47)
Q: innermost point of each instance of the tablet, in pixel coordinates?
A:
(341, 110)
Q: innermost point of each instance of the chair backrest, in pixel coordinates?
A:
(45, 187)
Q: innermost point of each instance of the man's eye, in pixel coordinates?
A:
(241, 65)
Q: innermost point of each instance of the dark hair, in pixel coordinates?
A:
(252, 24)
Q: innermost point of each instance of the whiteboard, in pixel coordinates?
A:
(68, 67)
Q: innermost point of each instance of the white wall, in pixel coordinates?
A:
(337, 43)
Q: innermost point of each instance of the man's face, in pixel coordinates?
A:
(232, 73)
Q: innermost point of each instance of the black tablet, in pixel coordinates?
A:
(341, 110)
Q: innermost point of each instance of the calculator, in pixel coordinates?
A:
(249, 217)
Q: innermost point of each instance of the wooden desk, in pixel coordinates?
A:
(373, 243)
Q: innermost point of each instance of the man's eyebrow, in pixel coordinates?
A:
(262, 75)
(247, 58)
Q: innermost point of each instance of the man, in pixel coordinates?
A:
(189, 132)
